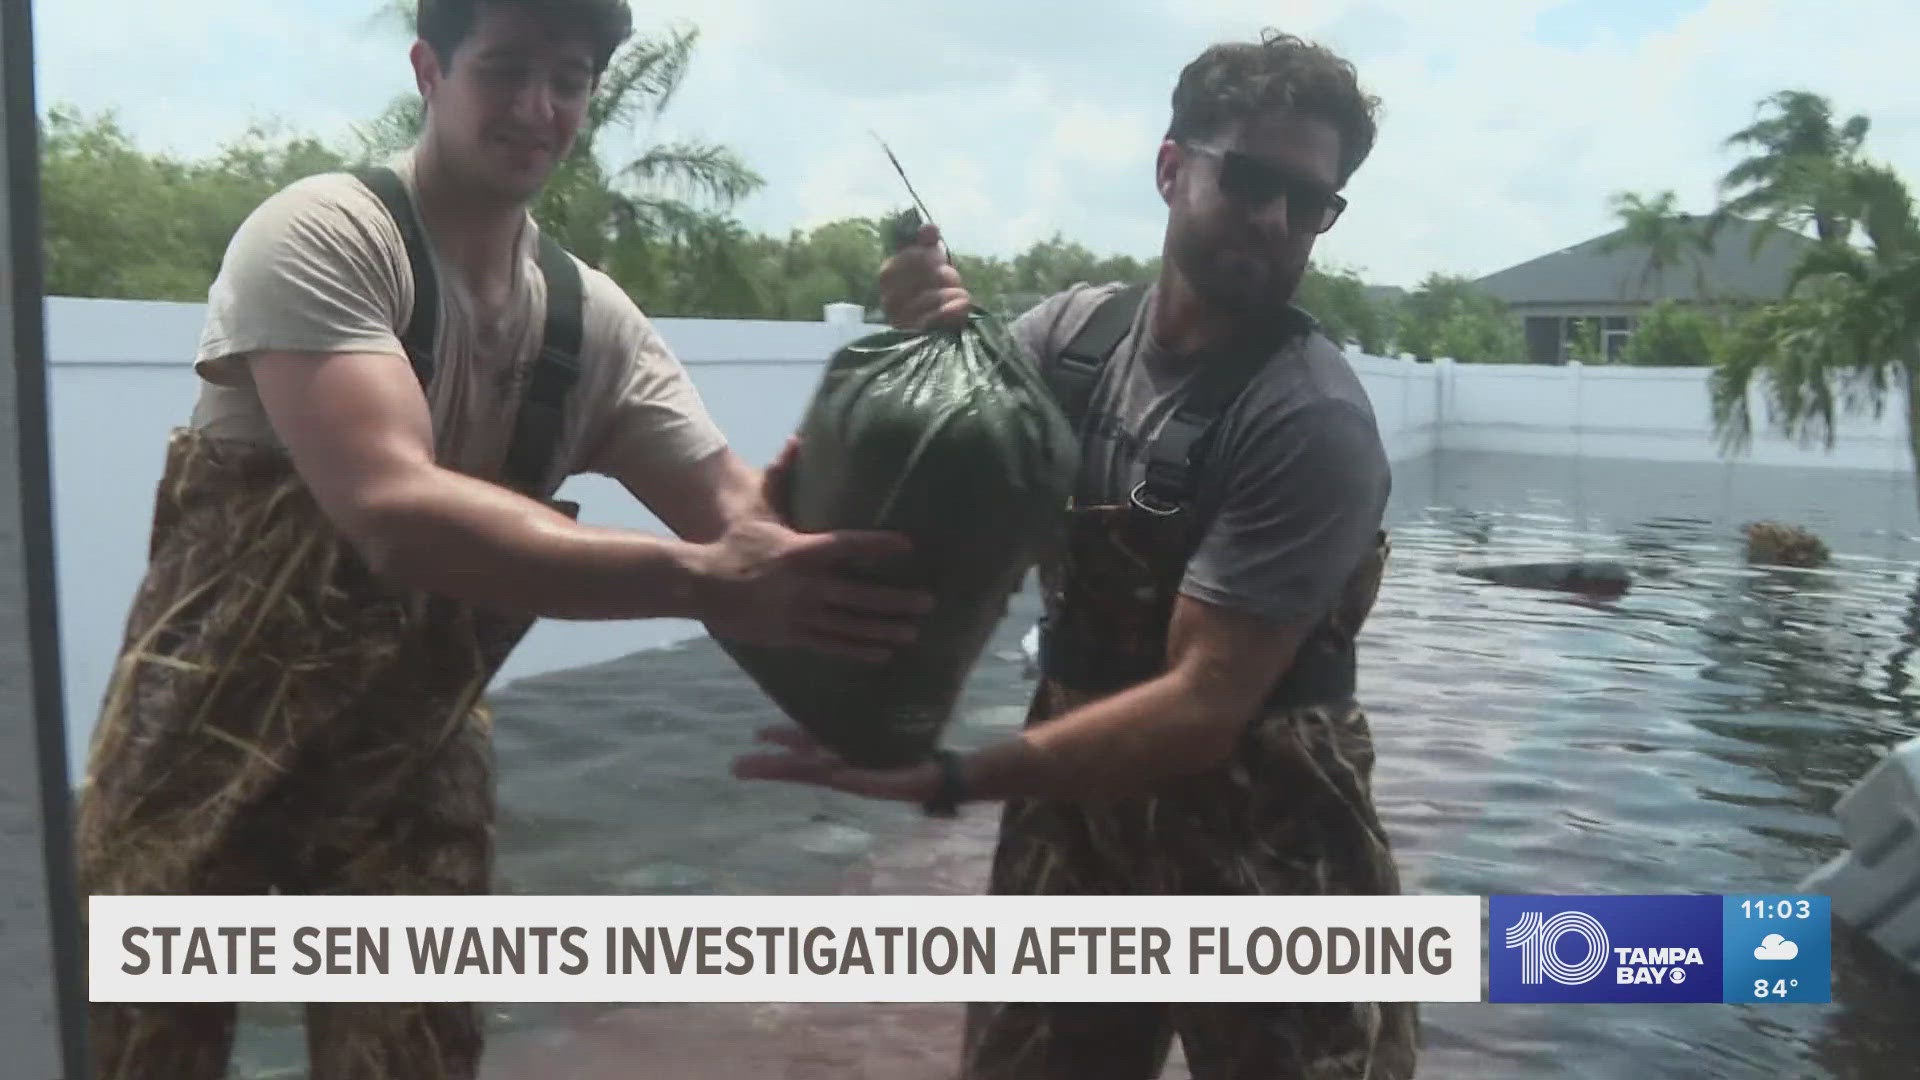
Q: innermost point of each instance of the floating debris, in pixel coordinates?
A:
(1602, 579)
(1784, 545)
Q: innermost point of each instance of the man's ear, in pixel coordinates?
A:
(1166, 169)
(426, 68)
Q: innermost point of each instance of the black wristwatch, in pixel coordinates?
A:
(953, 785)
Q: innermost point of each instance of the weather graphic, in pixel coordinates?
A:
(1779, 949)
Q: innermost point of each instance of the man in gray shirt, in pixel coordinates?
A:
(1280, 550)
(1196, 731)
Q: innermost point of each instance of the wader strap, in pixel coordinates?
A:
(536, 432)
(1173, 461)
(418, 338)
(1076, 370)
(556, 368)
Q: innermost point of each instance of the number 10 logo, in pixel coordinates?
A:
(1537, 939)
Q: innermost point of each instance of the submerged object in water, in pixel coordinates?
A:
(1585, 578)
(1872, 886)
(1784, 545)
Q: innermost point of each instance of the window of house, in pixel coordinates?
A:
(1543, 339)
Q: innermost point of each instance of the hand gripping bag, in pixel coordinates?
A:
(951, 437)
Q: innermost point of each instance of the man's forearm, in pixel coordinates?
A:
(1119, 746)
(701, 501)
(479, 543)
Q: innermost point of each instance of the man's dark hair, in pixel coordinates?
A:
(1281, 73)
(444, 24)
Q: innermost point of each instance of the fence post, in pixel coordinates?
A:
(1576, 379)
(843, 314)
(1444, 405)
(1407, 372)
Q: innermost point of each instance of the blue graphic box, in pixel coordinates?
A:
(1671, 949)
(1604, 948)
(1779, 949)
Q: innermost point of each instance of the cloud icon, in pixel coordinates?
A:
(1775, 947)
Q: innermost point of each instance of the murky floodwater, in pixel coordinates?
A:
(1690, 737)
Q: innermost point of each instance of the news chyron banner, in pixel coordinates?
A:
(786, 949)
(642, 949)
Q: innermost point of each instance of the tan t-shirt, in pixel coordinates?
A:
(321, 268)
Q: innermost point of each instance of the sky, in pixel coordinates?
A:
(1506, 125)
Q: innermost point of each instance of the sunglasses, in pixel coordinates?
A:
(1252, 183)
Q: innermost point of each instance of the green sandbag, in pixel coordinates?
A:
(950, 437)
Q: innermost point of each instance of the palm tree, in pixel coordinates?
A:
(1668, 236)
(1793, 176)
(1848, 331)
(593, 207)
(1451, 316)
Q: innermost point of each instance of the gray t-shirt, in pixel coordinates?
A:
(1295, 489)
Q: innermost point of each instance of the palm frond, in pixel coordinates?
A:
(1831, 259)
(656, 219)
(1729, 389)
(642, 79)
(1876, 197)
(694, 170)
(1854, 133)
(1755, 170)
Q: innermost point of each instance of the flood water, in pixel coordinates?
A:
(1690, 737)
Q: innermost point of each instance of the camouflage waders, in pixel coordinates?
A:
(282, 720)
(1290, 813)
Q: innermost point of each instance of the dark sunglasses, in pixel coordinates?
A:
(1253, 183)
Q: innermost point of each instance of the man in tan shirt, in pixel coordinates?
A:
(358, 526)
(302, 349)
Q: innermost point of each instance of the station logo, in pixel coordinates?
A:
(1604, 948)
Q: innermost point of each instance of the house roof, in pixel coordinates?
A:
(1386, 295)
(1591, 273)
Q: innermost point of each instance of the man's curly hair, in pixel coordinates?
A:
(1281, 73)
(606, 24)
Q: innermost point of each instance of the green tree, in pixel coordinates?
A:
(1053, 264)
(712, 268)
(120, 222)
(1011, 286)
(837, 262)
(1795, 173)
(1846, 336)
(1338, 299)
(1673, 334)
(1451, 316)
(106, 210)
(990, 279)
(1585, 342)
(1668, 237)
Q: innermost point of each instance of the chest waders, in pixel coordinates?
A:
(1290, 813)
(281, 719)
